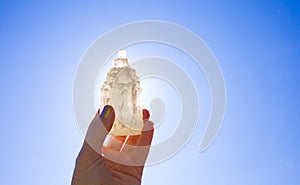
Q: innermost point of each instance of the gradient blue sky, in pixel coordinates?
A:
(257, 44)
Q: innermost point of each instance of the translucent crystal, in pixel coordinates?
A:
(122, 90)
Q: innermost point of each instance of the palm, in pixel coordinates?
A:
(92, 168)
(122, 174)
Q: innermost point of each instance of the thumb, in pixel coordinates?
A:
(99, 127)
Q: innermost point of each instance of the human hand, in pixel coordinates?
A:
(122, 160)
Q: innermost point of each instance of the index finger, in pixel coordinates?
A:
(146, 137)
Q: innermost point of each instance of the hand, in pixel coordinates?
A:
(121, 162)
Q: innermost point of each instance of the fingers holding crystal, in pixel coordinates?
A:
(131, 150)
(138, 151)
(116, 142)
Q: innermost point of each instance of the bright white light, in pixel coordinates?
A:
(122, 54)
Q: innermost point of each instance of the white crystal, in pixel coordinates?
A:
(122, 90)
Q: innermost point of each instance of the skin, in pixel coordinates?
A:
(121, 162)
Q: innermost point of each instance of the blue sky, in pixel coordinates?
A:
(257, 45)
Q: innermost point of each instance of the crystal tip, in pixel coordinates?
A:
(122, 54)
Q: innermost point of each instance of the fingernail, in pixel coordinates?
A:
(146, 114)
(105, 112)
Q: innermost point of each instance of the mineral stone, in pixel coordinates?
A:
(122, 90)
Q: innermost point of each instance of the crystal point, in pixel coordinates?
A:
(122, 90)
